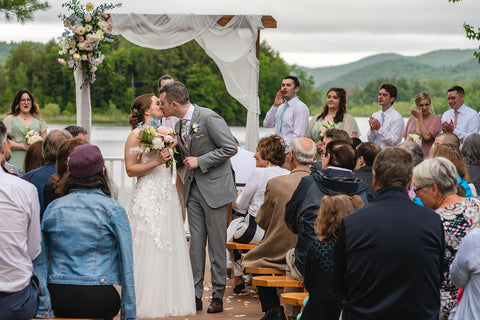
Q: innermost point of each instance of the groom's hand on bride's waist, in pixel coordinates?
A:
(191, 162)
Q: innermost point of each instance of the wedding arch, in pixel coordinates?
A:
(232, 41)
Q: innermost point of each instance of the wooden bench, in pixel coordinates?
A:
(265, 271)
(240, 246)
(57, 318)
(294, 298)
(277, 281)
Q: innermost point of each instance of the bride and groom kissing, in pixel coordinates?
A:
(167, 283)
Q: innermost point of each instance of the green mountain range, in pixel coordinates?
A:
(452, 65)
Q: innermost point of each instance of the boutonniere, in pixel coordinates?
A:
(195, 127)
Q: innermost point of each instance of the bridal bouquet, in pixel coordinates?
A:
(325, 127)
(31, 136)
(154, 137)
(414, 137)
(86, 29)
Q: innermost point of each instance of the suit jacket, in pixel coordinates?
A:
(272, 251)
(213, 144)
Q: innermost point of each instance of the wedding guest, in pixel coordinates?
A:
(423, 124)
(7, 166)
(415, 149)
(435, 182)
(452, 153)
(465, 273)
(460, 119)
(243, 164)
(366, 154)
(471, 156)
(19, 242)
(356, 142)
(386, 125)
(447, 138)
(24, 115)
(83, 285)
(322, 298)
(40, 177)
(269, 156)
(330, 135)
(77, 131)
(34, 156)
(334, 115)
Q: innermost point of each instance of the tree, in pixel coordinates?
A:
(471, 33)
(23, 10)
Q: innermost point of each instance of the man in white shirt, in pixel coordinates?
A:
(386, 125)
(288, 115)
(460, 119)
(19, 242)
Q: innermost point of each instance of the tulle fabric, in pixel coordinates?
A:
(163, 274)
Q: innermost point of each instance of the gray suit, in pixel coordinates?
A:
(208, 191)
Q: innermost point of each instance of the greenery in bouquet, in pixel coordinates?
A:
(86, 29)
(154, 137)
(325, 127)
(31, 136)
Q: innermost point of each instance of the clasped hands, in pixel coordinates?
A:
(448, 126)
(374, 123)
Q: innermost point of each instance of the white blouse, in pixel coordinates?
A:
(253, 194)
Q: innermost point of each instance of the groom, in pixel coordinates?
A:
(206, 144)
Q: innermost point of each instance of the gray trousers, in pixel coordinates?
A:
(207, 224)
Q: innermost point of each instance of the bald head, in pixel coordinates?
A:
(447, 138)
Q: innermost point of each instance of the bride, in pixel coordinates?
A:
(162, 270)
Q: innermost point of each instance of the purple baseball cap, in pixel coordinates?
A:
(85, 161)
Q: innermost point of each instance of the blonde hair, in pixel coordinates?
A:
(331, 213)
(422, 95)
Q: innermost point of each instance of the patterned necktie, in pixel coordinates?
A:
(382, 120)
(285, 105)
(183, 132)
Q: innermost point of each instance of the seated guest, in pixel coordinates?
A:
(272, 250)
(243, 164)
(389, 253)
(331, 134)
(269, 157)
(34, 156)
(82, 285)
(452, 153)
(40, 177)
(7, 166)
(322, 298)
(447, 138)
(77, 131)
(19, 242)
(366, 154)
(52, 190)
(356, 142)
(435, 182)
(465, 273)
(415, 149)
(471, 156)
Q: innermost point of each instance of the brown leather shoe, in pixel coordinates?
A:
(216, 306)
(198, 303)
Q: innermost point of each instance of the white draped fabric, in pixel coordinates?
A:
(233, 48)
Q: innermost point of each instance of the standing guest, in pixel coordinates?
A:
(334, 115)
(270, 156)
(389, 253)
(24, 115)
(452, 153)
(447, 138)
(288, 115)
(366, 154)
(34, 156)
(465, 273)
(272, 251)
(322, 298)
(82, 286)
(19, 243)
(386, 125)
(423, 123)
(460, 119)
(435, 182)
(40, 177)
(331, 134)
(471, 156)
(207, 144)
(77, 131)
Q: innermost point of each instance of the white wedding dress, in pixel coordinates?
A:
(163, 274)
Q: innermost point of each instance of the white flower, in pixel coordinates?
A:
(76, 57)
(88, 27)
(89, 6)
(102, 24)
(157, 143)
(88, 18)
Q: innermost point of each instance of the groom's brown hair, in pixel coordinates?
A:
(175, 91)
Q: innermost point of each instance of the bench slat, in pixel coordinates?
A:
(240, 246)
(259, 270)
(294, 298)
(277, 281)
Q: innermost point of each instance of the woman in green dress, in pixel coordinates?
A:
(334, 115)
(24, 115)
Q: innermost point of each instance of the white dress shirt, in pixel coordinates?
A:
(295, 120)
(243, 163)
(391, 131)
(19, 231)
(254, 192)
(468, 121)
(188, 116)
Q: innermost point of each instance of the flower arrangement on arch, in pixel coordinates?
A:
(86, 29)
(155, 137)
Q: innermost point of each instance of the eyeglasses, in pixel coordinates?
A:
(26, 100)
(415, 189)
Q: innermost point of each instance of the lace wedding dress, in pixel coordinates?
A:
(163, 274)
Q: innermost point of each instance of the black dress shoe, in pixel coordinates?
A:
(198, 303)
(216, 306)
(239, 288)
(276, 313)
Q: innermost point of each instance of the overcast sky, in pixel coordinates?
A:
(310, 32)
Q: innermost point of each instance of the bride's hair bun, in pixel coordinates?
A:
(138, 108)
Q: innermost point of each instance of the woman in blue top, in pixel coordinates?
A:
(86, 246)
